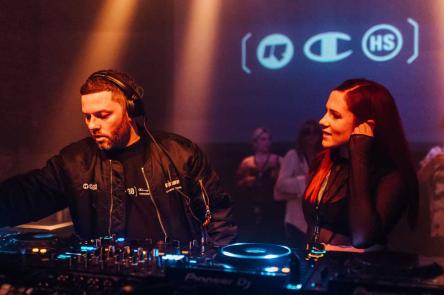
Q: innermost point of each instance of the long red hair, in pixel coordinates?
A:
(312, 191)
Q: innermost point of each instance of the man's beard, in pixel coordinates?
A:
(117, 139)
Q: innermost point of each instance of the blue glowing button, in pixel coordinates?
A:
(226, 266)
(172, 257)
(272, 269)
(43, 236)
(293, 287)
(63, 257)
(87, 248)
(72, 254)
(120, 240)
(318, 251)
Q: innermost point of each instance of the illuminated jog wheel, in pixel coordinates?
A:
(255, 254)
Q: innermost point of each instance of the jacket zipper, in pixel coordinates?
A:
(111, 197)
(154, 203)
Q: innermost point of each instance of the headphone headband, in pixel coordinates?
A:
(134, 104)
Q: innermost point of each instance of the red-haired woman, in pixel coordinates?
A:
(364, 181)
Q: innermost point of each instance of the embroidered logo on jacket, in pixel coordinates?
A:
(135, 192)
(90, 186)
(172, 185)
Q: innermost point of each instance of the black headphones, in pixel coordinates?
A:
(134, 103)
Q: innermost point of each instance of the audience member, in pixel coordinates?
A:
(292, 181)
(259, 216)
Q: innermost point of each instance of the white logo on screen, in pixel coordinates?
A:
(328, 44)
(275, 51)
(382, 42)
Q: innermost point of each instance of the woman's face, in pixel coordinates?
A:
(338, 122)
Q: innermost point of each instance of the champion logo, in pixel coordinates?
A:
(328, 43)
(90, 186)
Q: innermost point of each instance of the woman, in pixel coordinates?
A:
(292, 181)
(365, 180)
(260, 216)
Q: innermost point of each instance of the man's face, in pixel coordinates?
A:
(338, 122)
(106, 120)
(263, 143)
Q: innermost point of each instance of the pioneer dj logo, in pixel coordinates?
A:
(90, 186)
(241, 282)
(192, 277)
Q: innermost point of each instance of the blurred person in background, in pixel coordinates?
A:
(431, 182)
(292, 181)
(259, 216)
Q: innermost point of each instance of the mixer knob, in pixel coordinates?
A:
(126, 251)
(112, 251)
(110, 262)
(194, 249)
(84, 259)
(148, 243)
(161, 246)
(98, 243)
(140, 256)
(134, 260)
(126, 262)
(94, 259)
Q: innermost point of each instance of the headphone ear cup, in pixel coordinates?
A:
(137, 107)
(130, 108)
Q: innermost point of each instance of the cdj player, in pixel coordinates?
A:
(242, 266)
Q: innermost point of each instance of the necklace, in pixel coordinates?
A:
(261, 169)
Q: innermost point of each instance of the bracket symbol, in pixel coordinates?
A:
(245, 68)
(415, 40)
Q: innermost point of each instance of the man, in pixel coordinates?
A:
(124, 180)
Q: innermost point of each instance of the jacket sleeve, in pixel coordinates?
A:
(292, 178)
(32, 196)
(372, 212)
(221, 229)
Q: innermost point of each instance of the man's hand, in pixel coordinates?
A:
(427, 169)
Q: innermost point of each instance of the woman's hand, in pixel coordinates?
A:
(249, 181)
(365, 128)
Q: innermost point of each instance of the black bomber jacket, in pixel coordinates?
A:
(81, 177)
